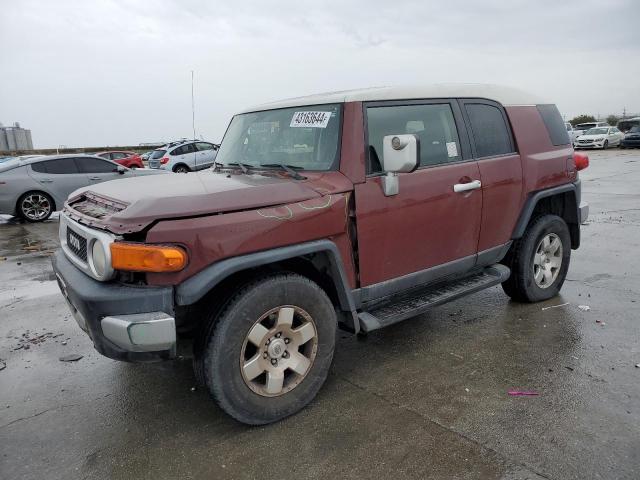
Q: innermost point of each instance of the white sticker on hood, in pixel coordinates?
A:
(310, 119)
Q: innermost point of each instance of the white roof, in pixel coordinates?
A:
(500, 94)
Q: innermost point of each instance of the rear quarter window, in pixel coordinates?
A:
(554, 124)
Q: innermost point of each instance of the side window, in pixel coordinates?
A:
(490, 132)
(433, 124)
(553, 122)
(188, 148)
(203, 146)
(93, 165)
(40, 167)
(117, 155)
(61, 166)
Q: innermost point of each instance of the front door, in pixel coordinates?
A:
(98, 171)
(434, 220)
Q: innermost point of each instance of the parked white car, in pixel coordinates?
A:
(582, 128)
(599, 137)
(184, 156)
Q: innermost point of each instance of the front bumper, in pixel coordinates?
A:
(630, 142)
(589, 145)
(134, 324)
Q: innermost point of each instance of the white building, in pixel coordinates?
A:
(15, 138)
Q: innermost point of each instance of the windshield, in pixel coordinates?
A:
(635, 129)
(157, 154)
(585, 126)
(303, 137)
(596, 131)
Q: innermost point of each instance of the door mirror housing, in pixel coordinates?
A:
(121, 170)
(400, 154)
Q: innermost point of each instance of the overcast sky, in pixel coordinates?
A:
(93, 73)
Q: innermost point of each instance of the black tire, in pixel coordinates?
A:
(181, 168)
(46, 202)
(220, 361)
(605, 145)
(521, 285)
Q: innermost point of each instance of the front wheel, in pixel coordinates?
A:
(605, 145)
(539, 260)
(269, 351)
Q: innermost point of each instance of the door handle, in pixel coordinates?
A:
(95, 178)
(465, 187)
(46, 180)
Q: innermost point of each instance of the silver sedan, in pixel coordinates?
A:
(33, 188)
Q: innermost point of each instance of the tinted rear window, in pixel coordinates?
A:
(158, 154)
(554, 123)
(490, 132)
(60, 166)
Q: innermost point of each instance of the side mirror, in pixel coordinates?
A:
(400, 154)
(121, 170)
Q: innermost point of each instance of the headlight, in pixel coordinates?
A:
(98, 259)
(599, 139)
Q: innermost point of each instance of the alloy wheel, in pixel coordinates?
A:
(278, 351)
(547, 260)
(36, 207)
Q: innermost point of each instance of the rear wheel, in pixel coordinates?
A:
(35, 206)
(269, 351)
(539, 260)
(181, 169)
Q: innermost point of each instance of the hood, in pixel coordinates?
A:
(130, 205)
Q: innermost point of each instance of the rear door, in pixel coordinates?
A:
(205, 155)
(59, 177)
(185, 154)
(427, 224)
(500, 167)
(96, 170)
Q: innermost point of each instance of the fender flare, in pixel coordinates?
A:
(534, 198)
(197, 286)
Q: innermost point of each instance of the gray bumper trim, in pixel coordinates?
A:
(584, 212)
(141, 332)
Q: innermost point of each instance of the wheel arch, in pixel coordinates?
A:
(319, 261)
(563, 200)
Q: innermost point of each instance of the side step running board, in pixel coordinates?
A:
(420, 300)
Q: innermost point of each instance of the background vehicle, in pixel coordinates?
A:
(127, 159)
(184, 156)
(581, 128)
(625, 125)
(35, 187)
(599, 137)
(632, 138)
(358, 209)
(571, 132)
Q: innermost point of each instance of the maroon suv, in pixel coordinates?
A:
(354, 209)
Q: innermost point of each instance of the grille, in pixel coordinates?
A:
(77, 244)
(585, 141)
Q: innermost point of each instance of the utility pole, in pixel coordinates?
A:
(193, 109)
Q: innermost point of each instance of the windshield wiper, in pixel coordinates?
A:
(245, 167)
(287, 168)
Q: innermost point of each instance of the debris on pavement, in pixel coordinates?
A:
(3, 365)
(637, 365)
(523, 393)
(555, 306)
(600, 322)
(73, 357)
(584, 308)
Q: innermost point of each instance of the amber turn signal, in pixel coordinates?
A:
(136, 257)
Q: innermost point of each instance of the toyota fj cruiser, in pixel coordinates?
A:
(355, 209)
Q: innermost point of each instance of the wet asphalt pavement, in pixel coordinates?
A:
(426, 398)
